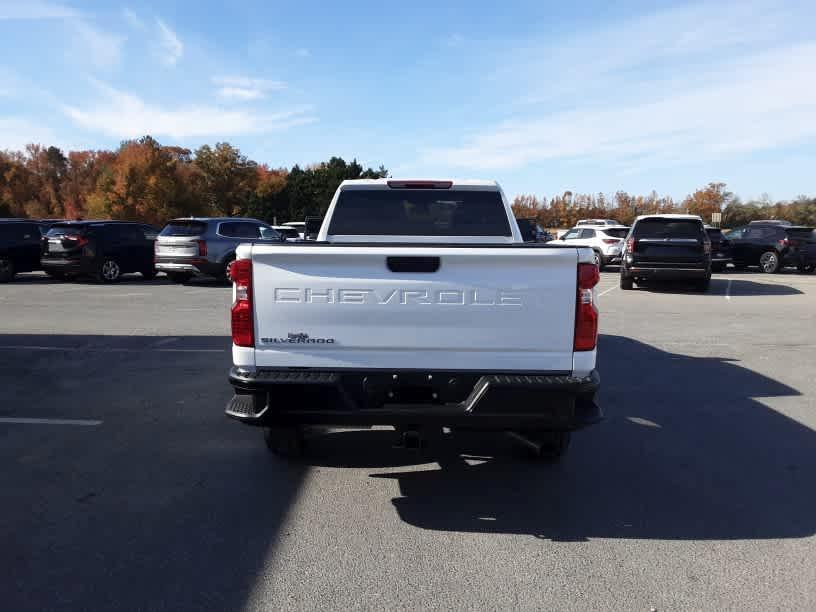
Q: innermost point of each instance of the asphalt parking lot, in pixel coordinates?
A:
(125, 487)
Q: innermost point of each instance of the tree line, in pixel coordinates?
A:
(566, 209)
(146, 181)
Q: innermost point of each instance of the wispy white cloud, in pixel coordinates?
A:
(16, 133)
(241, 88)
(683, 85)
(124, 115)
(134, 21)
(101, 48)
(303, 52)
(35, 9)
(170, 48)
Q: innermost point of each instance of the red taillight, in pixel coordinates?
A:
(611, 240)
(586, 314)
(243, 333)
(79, 239)
(630, 245)
(202, 248)
(783, 243)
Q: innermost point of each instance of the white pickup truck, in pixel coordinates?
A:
(418, 306)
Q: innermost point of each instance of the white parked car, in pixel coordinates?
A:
(607, 222)
(606, 241)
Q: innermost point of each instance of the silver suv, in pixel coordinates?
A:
(205, 245)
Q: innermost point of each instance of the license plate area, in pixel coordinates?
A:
(411, 388)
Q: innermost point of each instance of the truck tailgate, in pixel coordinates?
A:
(424, 308)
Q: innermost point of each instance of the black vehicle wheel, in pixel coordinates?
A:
(626, 282)
(6, 270)
(599, 260)
(224, 274)
(805, 268)
(702, 285)
(769, 262)
(548, 446)
(149, 274)
(179, 277)
(109, 271)
(284, 441)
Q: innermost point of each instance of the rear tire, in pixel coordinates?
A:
(599, 260)
(805, 268)
(702, 285)
(286, 442)
(626, 283)
(6, 270)
(769, 262)
(179, 277)
(109, 271)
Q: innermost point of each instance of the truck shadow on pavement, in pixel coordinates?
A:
(688, 452)
(720, 287)
(165, 505)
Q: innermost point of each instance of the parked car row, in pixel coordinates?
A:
(659, 246)
(105, 250)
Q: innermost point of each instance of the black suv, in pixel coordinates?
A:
(720, 249)
(771, 245)
(19, 247)
(101, 249)
(666, 247)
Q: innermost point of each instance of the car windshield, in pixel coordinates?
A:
(617, 232)
(419, 212)
(668, 228)
(184, 228)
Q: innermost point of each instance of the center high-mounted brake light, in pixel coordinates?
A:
(586, 313)
(420, 184)
(243, 333)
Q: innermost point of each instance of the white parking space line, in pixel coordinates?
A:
(107, 349)
(29, 421)
(728, 290)
(607, 290)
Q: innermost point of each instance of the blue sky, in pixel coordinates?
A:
(541, 96)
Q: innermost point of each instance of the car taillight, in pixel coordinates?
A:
(611, 241)
(630, 245)
(243, 333)
(202, 248)
(79, 239)
(783, 243)
(586, 314)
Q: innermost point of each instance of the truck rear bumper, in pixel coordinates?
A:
(452, 399)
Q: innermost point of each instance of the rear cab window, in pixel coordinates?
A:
(669, 228)
(184, 228)
(419, 212)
